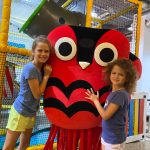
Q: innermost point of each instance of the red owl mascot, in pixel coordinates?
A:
(78, 58)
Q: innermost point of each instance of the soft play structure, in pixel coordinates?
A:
(137, 117)
(49, 15)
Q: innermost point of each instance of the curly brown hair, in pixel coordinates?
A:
(40, 38)
(130, 73)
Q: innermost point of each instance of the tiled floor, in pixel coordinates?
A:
(139, 145)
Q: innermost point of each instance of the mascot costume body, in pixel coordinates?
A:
(78, 59)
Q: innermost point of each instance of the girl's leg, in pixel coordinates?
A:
(102, 146)
(11, 139)
(25, 139)
(114, 146)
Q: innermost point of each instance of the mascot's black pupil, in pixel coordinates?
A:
(65, 49)
(106, 55)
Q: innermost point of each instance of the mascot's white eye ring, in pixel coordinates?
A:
(65, 48)
(105, 53)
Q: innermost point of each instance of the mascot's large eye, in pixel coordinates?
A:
(105, 53)
(65, 48)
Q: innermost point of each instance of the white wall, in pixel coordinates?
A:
(144, 54)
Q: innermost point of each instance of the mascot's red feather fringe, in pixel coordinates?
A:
(78, 58)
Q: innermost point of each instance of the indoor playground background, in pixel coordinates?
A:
(15, 48)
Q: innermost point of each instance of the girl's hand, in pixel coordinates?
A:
(47, 70)
(91, 96)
